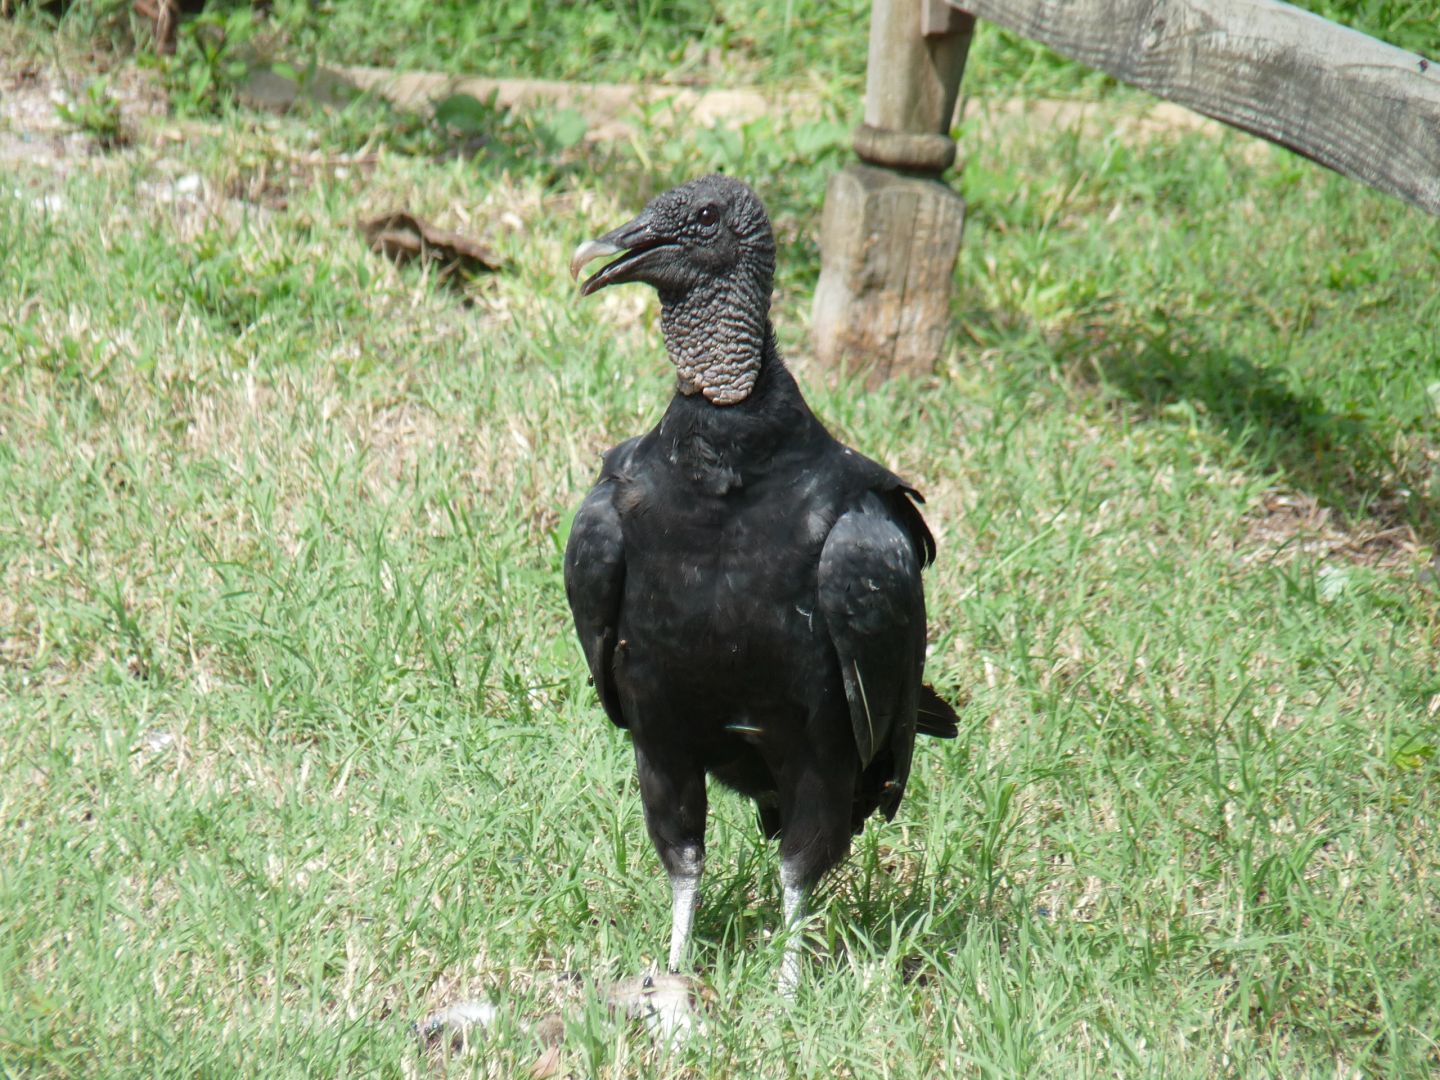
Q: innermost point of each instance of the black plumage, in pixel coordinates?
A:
(747, 589)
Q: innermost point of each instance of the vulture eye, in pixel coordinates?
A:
(707, 215)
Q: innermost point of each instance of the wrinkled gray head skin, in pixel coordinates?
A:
(707, 248)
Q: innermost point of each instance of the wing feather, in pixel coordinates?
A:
(874, 605)
(595, 586)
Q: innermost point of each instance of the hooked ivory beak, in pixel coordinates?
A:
(588, 252)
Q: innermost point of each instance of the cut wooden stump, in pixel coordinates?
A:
(888, 247)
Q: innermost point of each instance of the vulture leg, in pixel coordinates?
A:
(672, 790)
(815, 812)
(684, 891)
(795, 896)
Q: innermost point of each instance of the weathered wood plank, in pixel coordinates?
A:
(1364, 108)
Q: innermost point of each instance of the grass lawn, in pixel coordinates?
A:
(295, 742)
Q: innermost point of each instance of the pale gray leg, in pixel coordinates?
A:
(684, 892)
(794, 897)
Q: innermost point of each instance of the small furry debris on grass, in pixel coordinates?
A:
(669, 1006)
(402, 236)
(154, 741)
(460, 1023)
(460, 1027)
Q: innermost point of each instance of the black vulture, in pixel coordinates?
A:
(745, 587)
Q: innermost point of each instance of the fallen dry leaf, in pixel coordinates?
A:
(547, 1064)
(401, 237)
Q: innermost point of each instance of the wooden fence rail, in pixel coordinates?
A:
(1357, 105)
(1335, 95)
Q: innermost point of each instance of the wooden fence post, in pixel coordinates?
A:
(890, 232)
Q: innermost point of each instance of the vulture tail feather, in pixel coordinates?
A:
(936, 717)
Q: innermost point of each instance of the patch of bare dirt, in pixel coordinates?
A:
(606, 107)
(609, 108)
(1300, 524)
(32, 131)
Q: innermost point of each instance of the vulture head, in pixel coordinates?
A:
(707, 248)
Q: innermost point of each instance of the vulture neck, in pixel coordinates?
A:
(719, 337)
(723, 448)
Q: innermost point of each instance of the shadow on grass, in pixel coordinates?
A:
(1341, 460)
(921, 926)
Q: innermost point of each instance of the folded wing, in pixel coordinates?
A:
(595, 585)
(870, 592)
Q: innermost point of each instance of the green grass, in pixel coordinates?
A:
(818, 44)
(800, 41)
(702, 40)
(297, 745)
